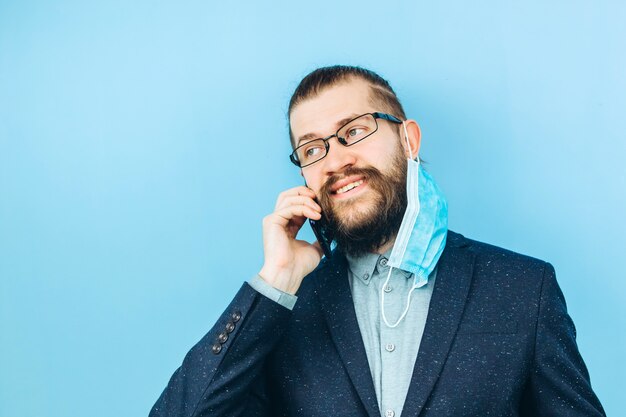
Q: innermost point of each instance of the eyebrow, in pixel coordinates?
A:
(312, 136)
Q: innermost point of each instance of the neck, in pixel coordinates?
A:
(384, 248)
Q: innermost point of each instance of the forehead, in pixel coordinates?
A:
(319, 116)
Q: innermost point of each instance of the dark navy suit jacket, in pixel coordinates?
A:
(498, 342)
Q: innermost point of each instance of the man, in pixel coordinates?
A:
(405, 318)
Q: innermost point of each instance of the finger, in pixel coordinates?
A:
(299, 200)
(284, 215)
(293, 192)
(296, 191)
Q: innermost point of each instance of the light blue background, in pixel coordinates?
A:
(141, 143)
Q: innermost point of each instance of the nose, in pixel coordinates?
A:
(339, 157)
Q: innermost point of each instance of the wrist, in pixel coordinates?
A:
(280, 279)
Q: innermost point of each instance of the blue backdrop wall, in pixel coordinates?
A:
(141, 143)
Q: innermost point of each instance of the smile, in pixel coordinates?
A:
(348, 187)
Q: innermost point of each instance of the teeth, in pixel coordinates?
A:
(349, 186)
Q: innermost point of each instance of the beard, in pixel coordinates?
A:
(360, 230)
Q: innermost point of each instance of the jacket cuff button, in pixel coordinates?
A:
(216, 348)
(236, 316)
(230, 326)
(222, 338)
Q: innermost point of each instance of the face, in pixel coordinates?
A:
(361, 188)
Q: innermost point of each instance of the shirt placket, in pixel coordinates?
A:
(390, 338)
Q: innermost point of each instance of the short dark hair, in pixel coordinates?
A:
(381, 94)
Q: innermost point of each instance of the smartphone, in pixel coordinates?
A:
(323, 235)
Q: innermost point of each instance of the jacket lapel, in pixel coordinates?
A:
(334, 293)
(454, 275)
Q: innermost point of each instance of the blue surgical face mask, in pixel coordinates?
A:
(422, 234)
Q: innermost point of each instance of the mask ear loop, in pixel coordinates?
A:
(382, 301)
(406, 138)
(414, 286)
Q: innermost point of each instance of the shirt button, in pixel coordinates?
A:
(390, 413)
(383, 262)
(366, 277)
(390, 347)
(388, 288)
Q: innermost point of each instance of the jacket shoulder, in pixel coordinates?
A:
(488, 252)
(501, 264)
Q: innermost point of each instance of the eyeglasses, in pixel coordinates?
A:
(352, 132)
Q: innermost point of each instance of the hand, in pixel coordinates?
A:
(288, 260)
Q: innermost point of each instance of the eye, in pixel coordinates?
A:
(356, 131)
(312, 151)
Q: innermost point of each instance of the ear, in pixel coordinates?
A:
(414, 139)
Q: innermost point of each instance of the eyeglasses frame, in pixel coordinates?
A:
(375, 115)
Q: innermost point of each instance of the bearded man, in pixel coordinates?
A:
(404, 317)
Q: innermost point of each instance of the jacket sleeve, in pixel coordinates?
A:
(222, 375)
(559, 383)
